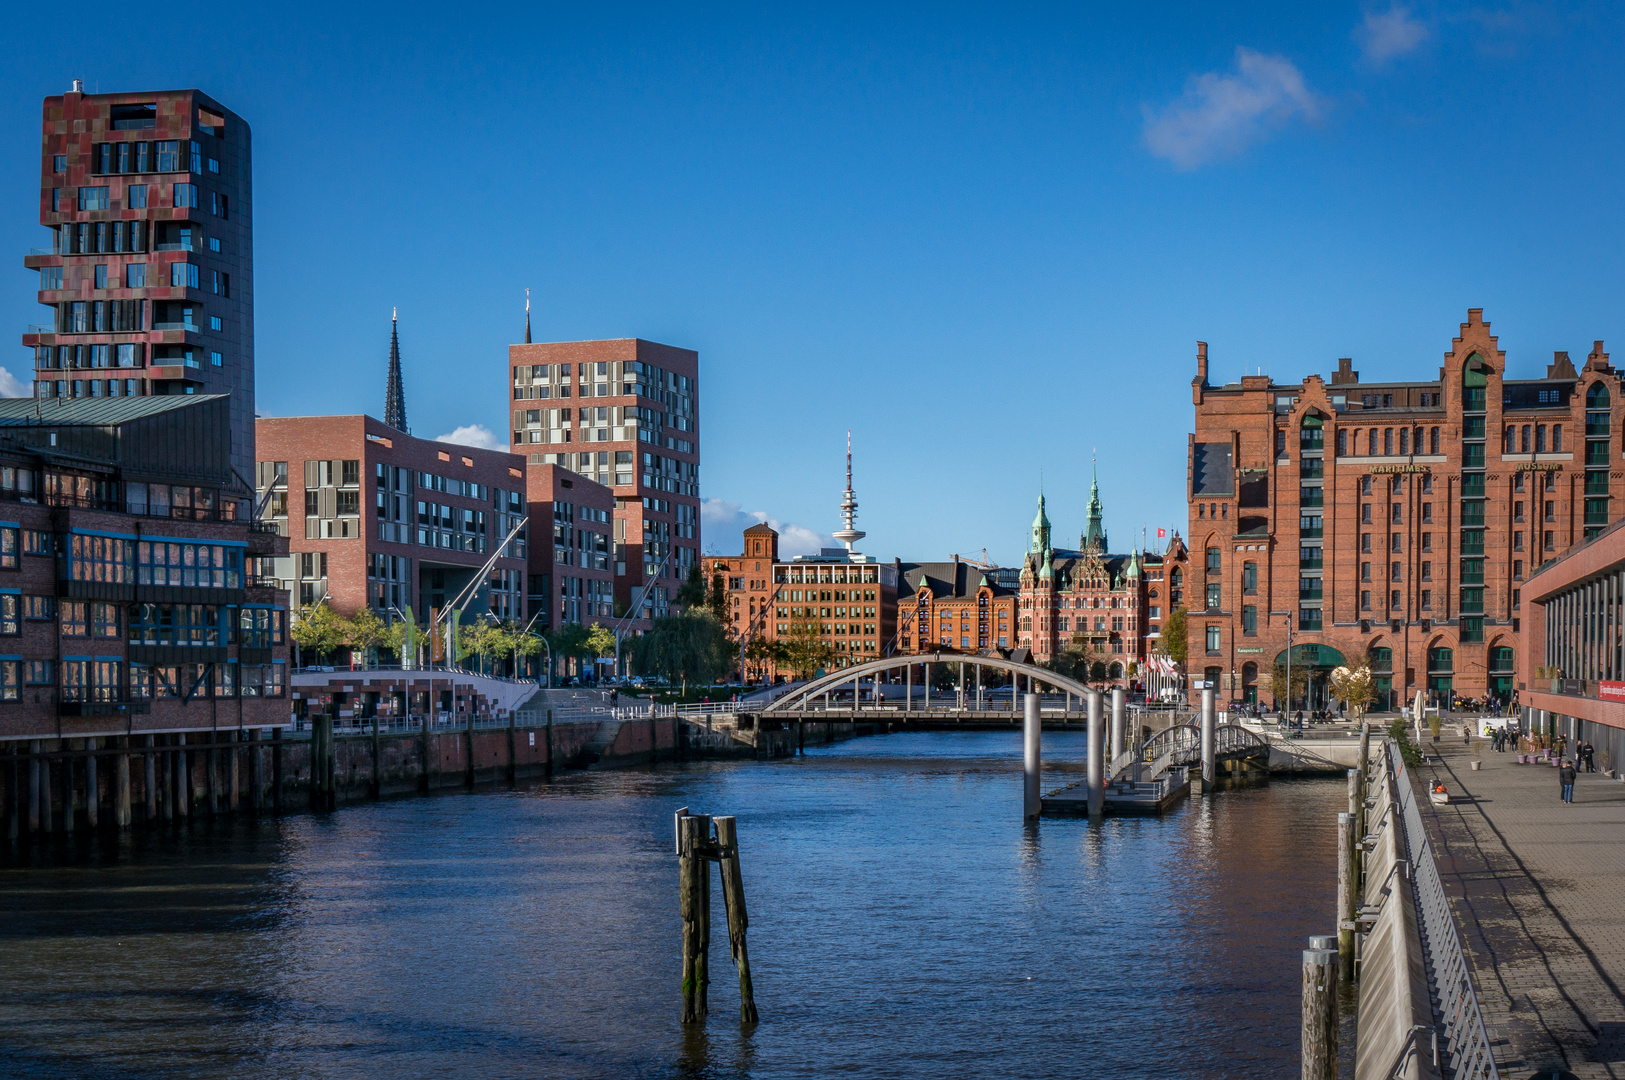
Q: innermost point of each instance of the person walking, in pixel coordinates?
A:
(1565, 776)
(1591, 757)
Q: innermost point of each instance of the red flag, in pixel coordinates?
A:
(1161, 533)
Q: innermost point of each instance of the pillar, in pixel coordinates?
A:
(1209, 738)
(1097, 753)
(1032, 764)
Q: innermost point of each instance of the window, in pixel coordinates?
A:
(1213, 596)
(1517, 569)
(217, 205)
(1249, 619)
(10, 679)
(100, 276)
(1427, 513)
(75, 618)
(136, 197)
(135, 276)
(189, 565)
(1394, 517)
(10, 536)
(1427, 541)
(216, 359)
(1549, 541)
(215, 322)
(1365, 599)
(1550, 511)
(1365, 571)
(1365, 513)
(1212, 638)
(183, 275)
(1249, 577)
(59, 163)
(167, 154)
(39, 673)
(100, 558)
(1427, 570)
(1365, 542)
(93, 198)
(185, 196)
(1394, 542)
(39, 608)
(1213, 560)
(1394, 571)
(1557, 438)
(1365, 484)
(220, 283)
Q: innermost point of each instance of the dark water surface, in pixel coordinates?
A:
(903, 924)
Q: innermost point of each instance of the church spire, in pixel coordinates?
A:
(395, 395)
(1094, 534)
(527, 316)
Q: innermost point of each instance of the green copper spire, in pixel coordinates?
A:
(1040, 540)
(1094, 535)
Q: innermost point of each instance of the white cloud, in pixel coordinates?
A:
(724, 525)
(1222, 114)
(11, 386)
(1385, 35)
(476, 435)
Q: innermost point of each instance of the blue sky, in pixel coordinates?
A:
(985, 240)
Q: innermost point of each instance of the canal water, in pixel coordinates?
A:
(904, 923)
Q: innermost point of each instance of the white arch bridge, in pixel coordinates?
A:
(902, 688)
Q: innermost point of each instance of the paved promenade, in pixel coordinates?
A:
(1538, 890)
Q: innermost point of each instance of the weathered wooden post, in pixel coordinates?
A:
(693, 895)
(378, 758)
(1119, 716)
(733, 899)
(1320, 1014)
(513, 749)
(550, 742)
(92, 786)
(1347, 894)
(211, 773)
(1032, 763)
(121, 785)
(1365, 778)
(316, 759)
(1209, 737)
(469, 731)
(256, 774)
(1096, 774)
(69, 802)
(276, 771)
(234, 769)
(183, 779)
(34, 786)
(149, 779)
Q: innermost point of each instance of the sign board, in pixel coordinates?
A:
(1201, 684)
(1611, 691)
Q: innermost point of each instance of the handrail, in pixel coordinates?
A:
(1467, 1044)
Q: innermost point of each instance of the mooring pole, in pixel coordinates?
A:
(1209, 734)
(693, 900)
(1032, 759)
(1347, 899)
(1119, 710)
(1320, 1014)
(1097, 751)
(1365, 778)
(733, 900)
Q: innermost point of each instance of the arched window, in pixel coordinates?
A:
(1597, 397)
(1440, 659)
(1176, 578)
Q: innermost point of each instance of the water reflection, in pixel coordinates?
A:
(904, 922)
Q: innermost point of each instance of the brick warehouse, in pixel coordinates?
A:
(1393, 522)
(639, 436)
(148, 271)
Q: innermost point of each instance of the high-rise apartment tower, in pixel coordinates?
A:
(148, 271)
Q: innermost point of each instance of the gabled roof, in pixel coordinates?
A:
(948, 580)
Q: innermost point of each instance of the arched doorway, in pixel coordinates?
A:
(1311, 689)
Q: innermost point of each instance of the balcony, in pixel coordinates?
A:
(1472, 542)
(1596, 483)
(188, 326)
(1597, 428)
(1472, 514)
(1472, 486)
(1314, 593)
(1596, 517)
(1597, 453)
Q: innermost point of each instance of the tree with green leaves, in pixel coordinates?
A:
(1278, 684)
(570, 641)
(1356, 687)
(717, 601)
(692, 594)
(480, 638)
(319, 629)
(805, 650)
(367, 632)
(1175, 642)
(689, 647)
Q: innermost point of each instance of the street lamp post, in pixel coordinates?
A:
(1287, 615)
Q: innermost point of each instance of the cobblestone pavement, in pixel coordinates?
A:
(1538, 889)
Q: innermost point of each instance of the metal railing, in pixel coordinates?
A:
(708, 708)
(1467, 1045)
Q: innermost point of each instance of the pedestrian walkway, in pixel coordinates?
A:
(1538, 890)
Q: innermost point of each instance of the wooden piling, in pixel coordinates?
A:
(733, 900)
(693, 879)
(183, 778)
(276, 770)
(550, 742)
(234, 769)
(121, 785)
(34, 786)
(256, 773)
(211, 777)
(70, 808)
(513, 751)
(14, 796)
(149, 781)
(93, 790)
(378, 757)
(1346, 898)
(468, 728)
(1319, 1014)
(166, 782)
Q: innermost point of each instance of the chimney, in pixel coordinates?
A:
(1201, 361)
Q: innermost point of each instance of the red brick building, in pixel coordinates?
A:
(377, 518)
(572, 523)
(625, 414)
(954, 606)
(1393, 523)
(148, 280)
(1112, 606)
(1570, 648)
(748, 579)
(133, 593)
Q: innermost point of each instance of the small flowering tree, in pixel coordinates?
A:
(1356, 687)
